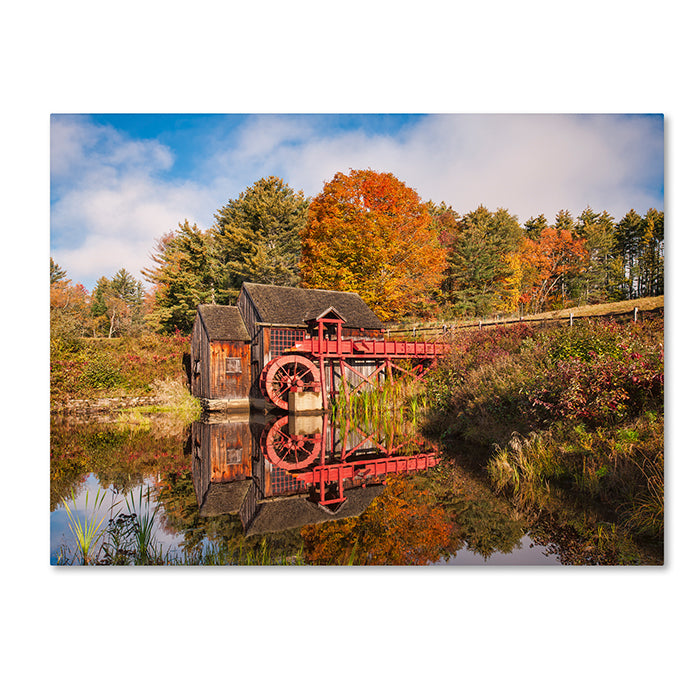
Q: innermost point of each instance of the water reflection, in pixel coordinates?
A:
(283, 473)
(311, 489)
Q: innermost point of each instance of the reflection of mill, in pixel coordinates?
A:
(290, 472)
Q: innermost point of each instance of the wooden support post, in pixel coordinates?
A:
(636, 311)
(571, 319)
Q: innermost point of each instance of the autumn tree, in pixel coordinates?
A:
(369, 233)
(70, 307)
(118, 304)
(256, 237)
(546, 262)
(482, 269)
(182, 275)
(446, 225)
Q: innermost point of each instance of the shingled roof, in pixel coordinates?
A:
(292, 512)
(223, 322)
(293, 306)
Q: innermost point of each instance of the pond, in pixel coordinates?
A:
(273, 489)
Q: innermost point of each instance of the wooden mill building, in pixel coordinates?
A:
(220, 357)
(232, 344)
(278, 317)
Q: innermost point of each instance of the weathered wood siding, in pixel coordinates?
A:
(199, 347)
(213, 376)
(260, 353)
(228, 370)
(251, 319)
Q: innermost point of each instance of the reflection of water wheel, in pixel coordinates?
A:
(289, 451)
(285, 372)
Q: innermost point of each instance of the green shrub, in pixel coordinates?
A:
(101, 373)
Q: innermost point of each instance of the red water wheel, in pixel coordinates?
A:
(288, 451)
(289, 372)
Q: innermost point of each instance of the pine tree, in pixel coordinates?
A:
(479, 271)
(651, 257)
(628, 235)
(601, 277)
(256, 237)
(57, 272)
(182, 276)
(534, 226)
(564, 221)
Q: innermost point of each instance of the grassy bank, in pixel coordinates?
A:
(574, 416)
(99, 368)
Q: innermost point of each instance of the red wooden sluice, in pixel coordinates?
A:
(302, 368)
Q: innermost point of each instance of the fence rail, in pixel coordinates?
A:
(635, 313)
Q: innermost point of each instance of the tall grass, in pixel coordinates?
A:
(87, 531)
(143, 528)
(404, 397)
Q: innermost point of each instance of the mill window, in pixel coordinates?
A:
(234, 455)
(283, 338)
(233, 365)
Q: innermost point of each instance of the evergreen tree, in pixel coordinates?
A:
(479, 268)
(651, 257)
(57, 272)
(601, 277)
(182, 276)
(563, 221)
(256, 237)
(534, 226)
(118, 304)
(628, 235)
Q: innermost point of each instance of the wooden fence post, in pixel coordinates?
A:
(636, 310)
(571, 319)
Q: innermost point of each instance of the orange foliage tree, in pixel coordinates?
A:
(403, 526)
(545, 263)
(70, 306)
(369, 233)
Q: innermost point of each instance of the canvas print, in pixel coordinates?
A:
(357, 340)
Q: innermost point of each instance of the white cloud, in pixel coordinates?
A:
(110, 201)
(528, 164)
(112, 198)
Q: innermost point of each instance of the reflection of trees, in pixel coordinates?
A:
(120, 457)
(405, 525)
(486, 529)
(417, 520)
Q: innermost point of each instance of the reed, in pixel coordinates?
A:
(88, 531)
(144, 518)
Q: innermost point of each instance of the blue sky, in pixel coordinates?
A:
(120, 181)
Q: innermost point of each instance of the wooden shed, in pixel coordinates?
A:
(278, 317)
(220, 356)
